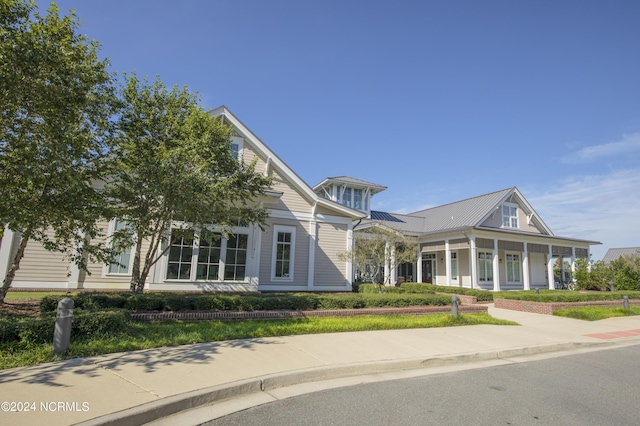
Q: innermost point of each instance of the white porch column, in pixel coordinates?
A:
(419, 266)
(8, 239)
(473, 262)
(573, 265)
(550, 268)
(496, 267)
(447, 262)
(313, 232)
(525, 268)
(393, 270)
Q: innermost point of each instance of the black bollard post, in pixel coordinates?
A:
(454, 306)
(62, 332)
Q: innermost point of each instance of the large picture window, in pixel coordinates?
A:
(284, 238)
(207, 257)
(485, 266)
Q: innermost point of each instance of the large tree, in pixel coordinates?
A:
(56, 100)
(174, 164)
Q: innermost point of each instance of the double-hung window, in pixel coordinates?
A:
(207, 257)
(513, 268)
(284, 240)
(122, 260)
(485, 266)
(510, 216)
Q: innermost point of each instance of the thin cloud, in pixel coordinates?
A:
(603, 208)
(629, 143)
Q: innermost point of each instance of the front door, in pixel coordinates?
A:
(427, 269)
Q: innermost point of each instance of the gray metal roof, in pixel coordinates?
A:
(614, 253)
(461, 214)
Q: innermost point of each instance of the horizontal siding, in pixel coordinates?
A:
(291, 199)
(329, 269)
(301, 255)
(39, 264)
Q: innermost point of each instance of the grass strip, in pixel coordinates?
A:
(141, 335)
(596, 313)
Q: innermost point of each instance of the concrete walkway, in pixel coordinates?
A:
(142, 386)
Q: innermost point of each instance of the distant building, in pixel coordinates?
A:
(615, 253)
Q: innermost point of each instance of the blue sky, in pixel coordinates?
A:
(437, 100)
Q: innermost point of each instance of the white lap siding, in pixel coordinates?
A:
(330, 271)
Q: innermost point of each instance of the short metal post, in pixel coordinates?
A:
(625, 302)
(612, 286)
(62, 332)
(454, 306)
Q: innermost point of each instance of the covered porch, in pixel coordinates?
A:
(496, 262)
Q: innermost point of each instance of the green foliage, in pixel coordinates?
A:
(623, 272)
(56, 103)
(242, 302)
(626, 272)
(85, 325)
(596, 313)
(174, 161)
(567, 296)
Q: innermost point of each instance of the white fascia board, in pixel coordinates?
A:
(354, 214)
(308, 217)
(266, 152)
(535, 216)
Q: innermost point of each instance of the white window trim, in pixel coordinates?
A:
(105, 268)
(196, 251)
(490, 253)
(292, 231)
(517, 207)
(506, 266)
(240, 142)
(454, 257)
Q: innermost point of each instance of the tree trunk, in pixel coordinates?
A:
(11, 273)
(137, 281)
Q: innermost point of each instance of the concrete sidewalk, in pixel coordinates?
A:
(139, 387)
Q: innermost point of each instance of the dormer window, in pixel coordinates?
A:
(510, 216)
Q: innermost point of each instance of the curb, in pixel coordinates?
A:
(171, 405)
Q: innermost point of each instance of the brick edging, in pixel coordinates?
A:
(548, 308)
(318, 313)
(467, 300)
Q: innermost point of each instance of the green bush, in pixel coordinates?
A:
(380, 289)
(85, 324)
(418, 288)
(568, 296)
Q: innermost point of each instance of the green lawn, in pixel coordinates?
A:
(141, 335)
(595, 313)
(30, 294)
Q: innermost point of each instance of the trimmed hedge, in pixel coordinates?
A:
(85, 325)
(245, 302)
(568, 296)
(404, 288)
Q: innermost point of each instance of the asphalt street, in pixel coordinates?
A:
(596, 388)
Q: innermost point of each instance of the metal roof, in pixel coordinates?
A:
(615, 253)
(461, 214)
(374, 187)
